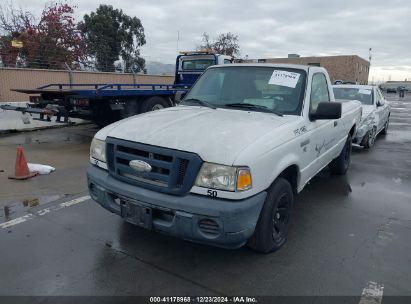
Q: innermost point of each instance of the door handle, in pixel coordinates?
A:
(335, 123)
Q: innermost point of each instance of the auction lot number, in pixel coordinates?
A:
(203, 300)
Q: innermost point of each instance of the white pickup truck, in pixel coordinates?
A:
(222, 168)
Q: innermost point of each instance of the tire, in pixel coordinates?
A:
(102, 115)
(131, 108)
(387, 124)
(340, 165)
(271, 231)
(154, 103)
(369, 139)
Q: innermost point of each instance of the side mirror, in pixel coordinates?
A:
(178, 97)
(327, 110)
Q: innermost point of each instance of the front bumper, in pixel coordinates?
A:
(198, 218)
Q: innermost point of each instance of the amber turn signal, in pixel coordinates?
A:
(244, 181)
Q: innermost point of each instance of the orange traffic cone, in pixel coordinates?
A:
(22, 170)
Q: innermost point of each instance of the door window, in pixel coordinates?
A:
(319, 91)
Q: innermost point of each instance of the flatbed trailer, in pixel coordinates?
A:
(92, 90)
(102, 103)
(105, 103)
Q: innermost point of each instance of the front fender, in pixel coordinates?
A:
(272, 164)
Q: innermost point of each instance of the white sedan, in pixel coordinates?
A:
(375, 111)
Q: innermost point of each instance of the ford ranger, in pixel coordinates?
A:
(223, 167)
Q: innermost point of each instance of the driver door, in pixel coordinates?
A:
(324, 134)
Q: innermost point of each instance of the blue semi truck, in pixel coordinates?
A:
(106, 103)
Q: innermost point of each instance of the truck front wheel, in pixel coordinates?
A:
(154, 103)
(271, 231)
(339, 165)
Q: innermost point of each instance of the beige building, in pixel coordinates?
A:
(350, 68)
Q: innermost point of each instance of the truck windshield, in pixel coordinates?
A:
(252, 88)
(363, 95)
(197, 64)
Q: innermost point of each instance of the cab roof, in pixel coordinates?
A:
(272, 65)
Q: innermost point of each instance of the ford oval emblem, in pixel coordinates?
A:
(140, 166)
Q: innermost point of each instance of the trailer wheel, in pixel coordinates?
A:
(102, 115)
(131, 107)
(154, 103)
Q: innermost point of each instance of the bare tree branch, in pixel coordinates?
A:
(226, 44)
(13, 20)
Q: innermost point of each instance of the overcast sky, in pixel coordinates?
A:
(274, 28)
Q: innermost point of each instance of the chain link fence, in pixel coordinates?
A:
(46, 59)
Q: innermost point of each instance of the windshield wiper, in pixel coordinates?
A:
(252, 107)
(200, 102)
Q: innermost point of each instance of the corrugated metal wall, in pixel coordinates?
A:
(11, 78)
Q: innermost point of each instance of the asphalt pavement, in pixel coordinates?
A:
(350, 236)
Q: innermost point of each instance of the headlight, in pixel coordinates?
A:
(98, 149)
(222, 177)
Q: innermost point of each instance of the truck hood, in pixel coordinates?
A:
(215, 135)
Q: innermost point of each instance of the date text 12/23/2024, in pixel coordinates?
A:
(203, 299)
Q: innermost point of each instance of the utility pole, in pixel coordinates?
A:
(370, 58)
(370, 55)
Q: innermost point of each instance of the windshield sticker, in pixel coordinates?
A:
(364, 92)
(284, 78)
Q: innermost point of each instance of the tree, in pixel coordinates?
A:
(13, 20)
(226, 44)
(112, 35)
(55, 40)
(12, 23)
(51, 42)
